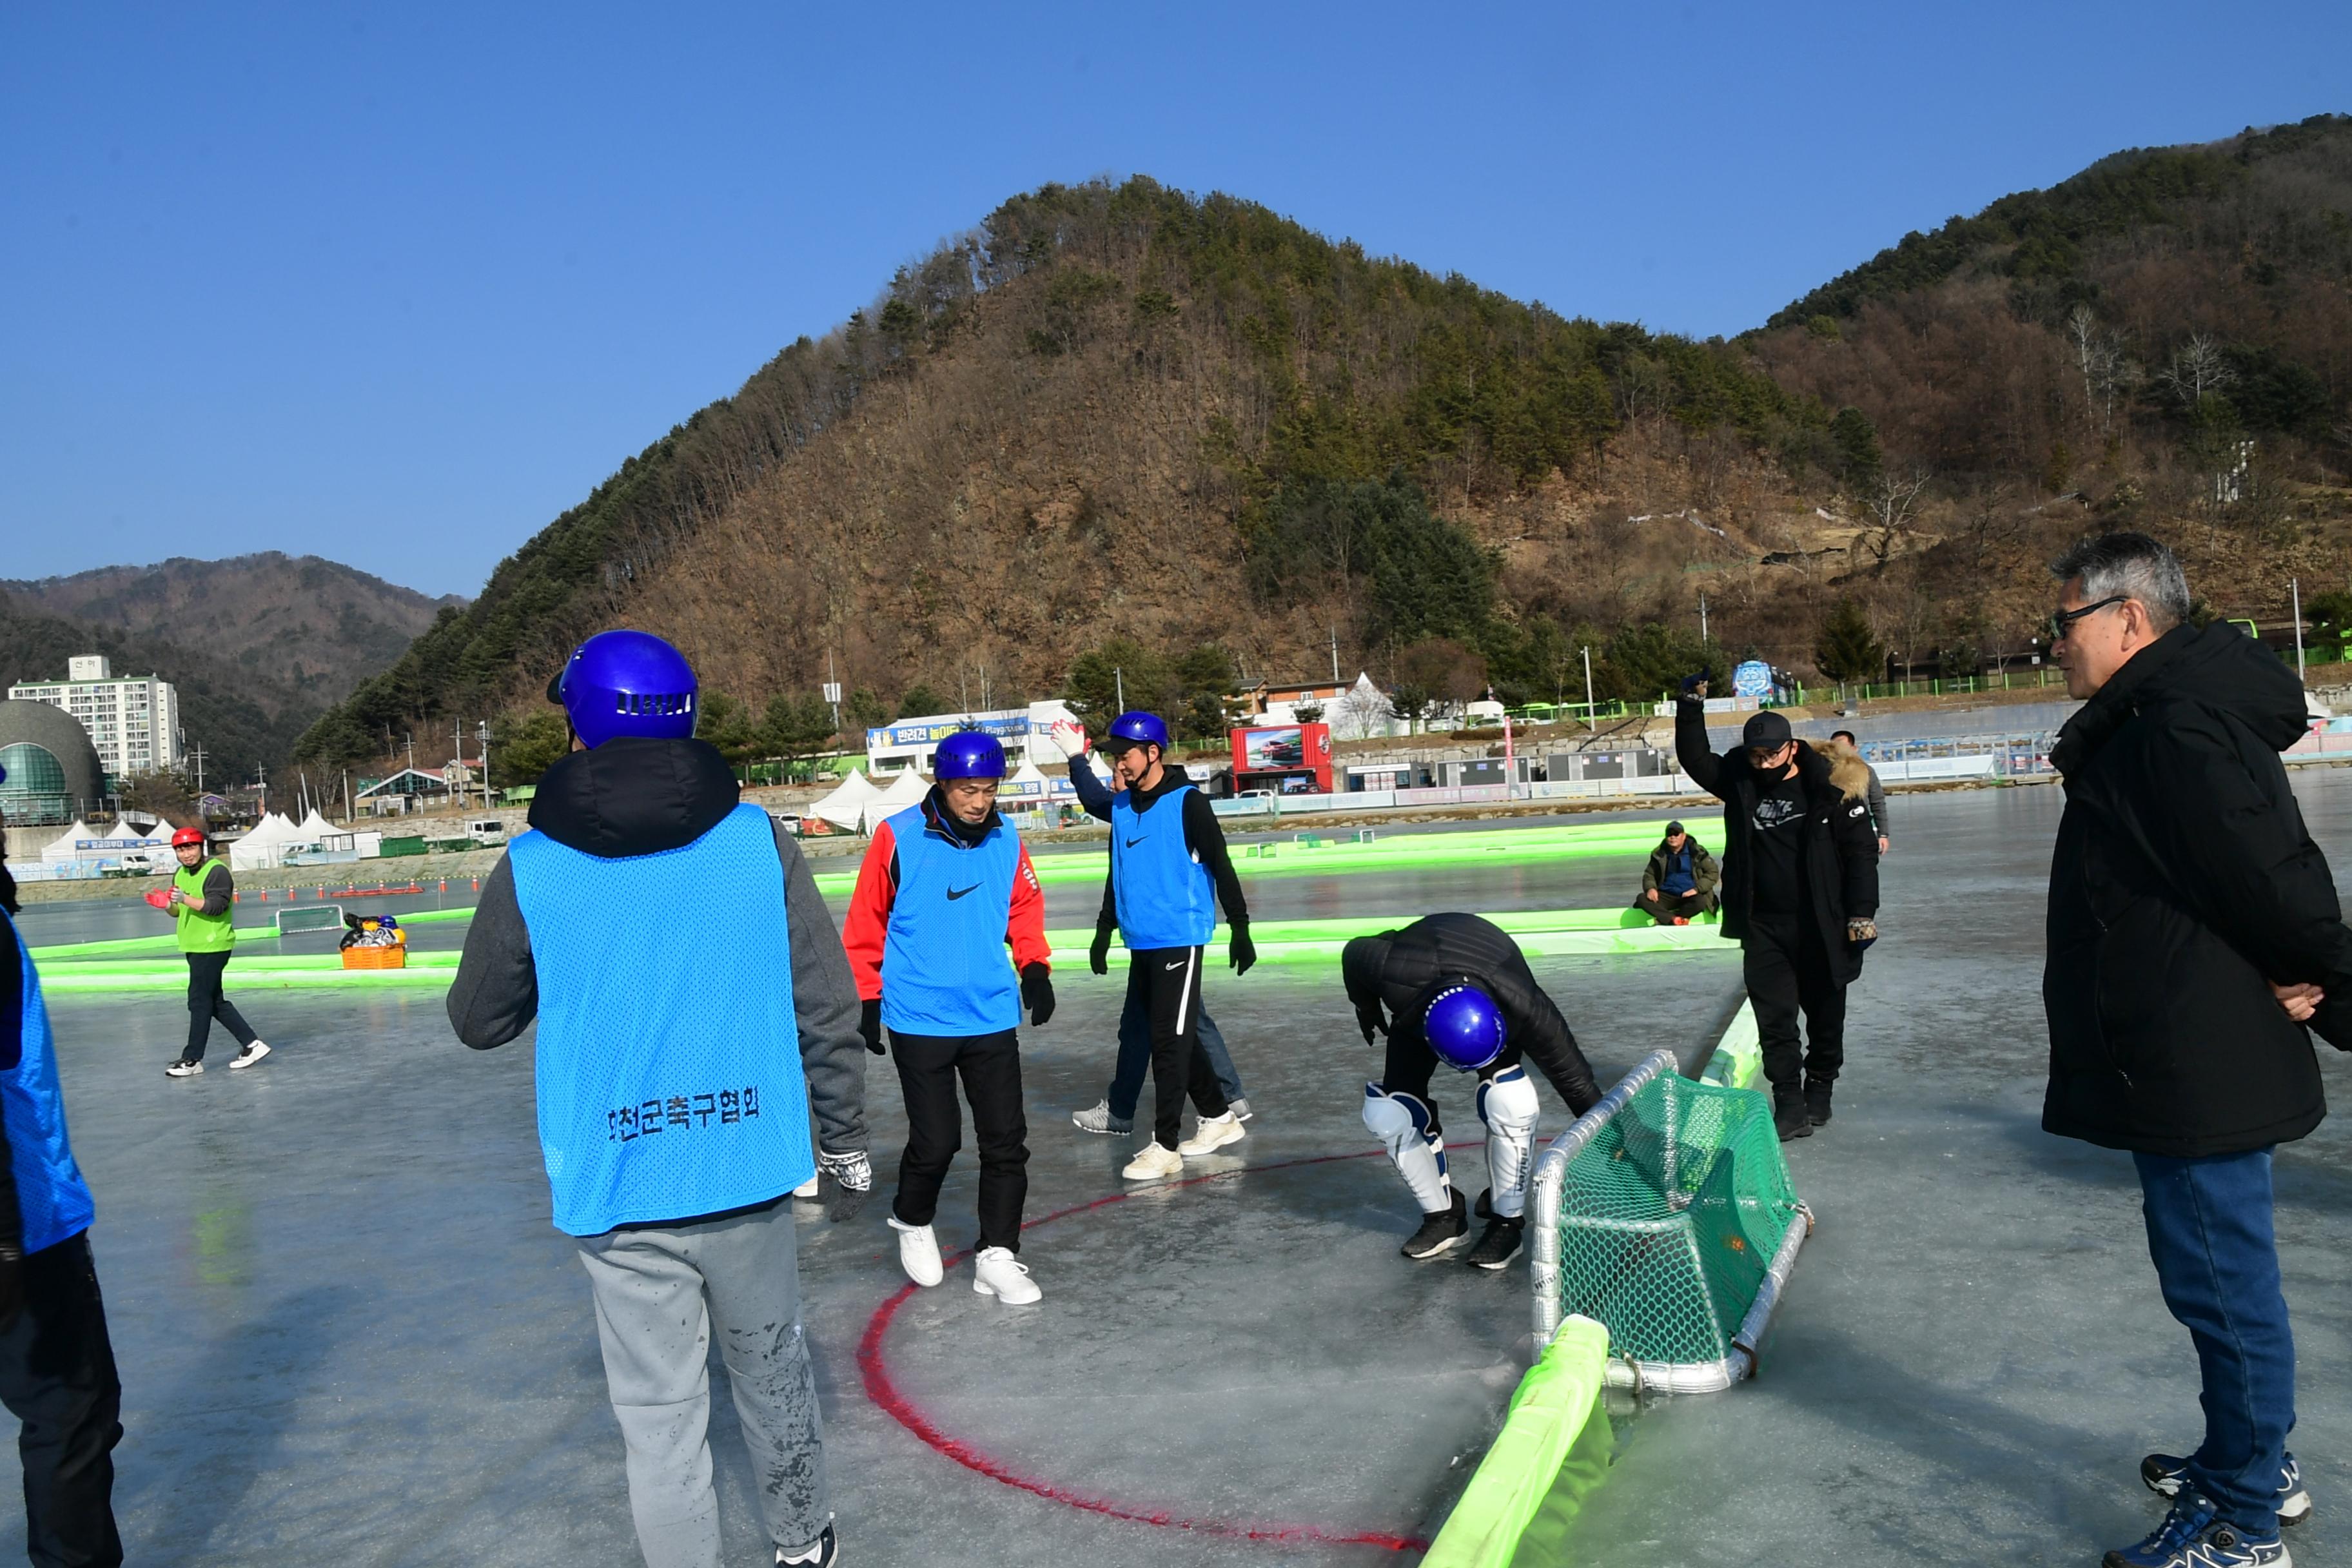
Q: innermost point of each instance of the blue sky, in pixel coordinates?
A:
(395, 286)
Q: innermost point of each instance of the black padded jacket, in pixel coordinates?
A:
(2183, 882)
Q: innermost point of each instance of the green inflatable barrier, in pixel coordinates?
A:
(1552, 1451)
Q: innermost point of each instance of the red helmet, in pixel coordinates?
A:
(187, 836)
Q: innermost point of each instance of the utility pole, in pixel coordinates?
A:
(1335, 655)
(1701, 617)
(198, 756)
(1118, 684)
(2294, 586)
(1588, 715)
(483, 729)
(832, 693)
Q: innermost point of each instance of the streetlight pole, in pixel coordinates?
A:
(1588, 714)
(2295, 587)
(1118, 684)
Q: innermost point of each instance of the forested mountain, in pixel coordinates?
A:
(258, 645)
(1175, 431)
(306, 629)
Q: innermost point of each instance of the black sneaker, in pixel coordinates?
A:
(1789, 1118)
(1439, 1232)
(1817, 1100)
(1499, 1244)
(2166, 1474)
(823, 1555)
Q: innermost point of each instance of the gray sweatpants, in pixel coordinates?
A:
(658, 1293)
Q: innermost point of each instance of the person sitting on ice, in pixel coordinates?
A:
(1680, 880)
(1453, 988)
(946, 886)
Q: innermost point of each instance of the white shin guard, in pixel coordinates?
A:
(1507, 1105)
(1401, 1121)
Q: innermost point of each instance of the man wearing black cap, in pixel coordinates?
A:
(1680, 880)
(1800, 893)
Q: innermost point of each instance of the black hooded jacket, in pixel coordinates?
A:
(2183, 884)
(1399, 969)
(1836, 840)
(636, 796)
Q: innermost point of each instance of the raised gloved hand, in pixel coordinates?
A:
(1037, 992)
(1368, 1019)
(870, 1024)
(849, 1178)
(1695, 685)
(1098, 955)
(1243, 952)
(1862, 930)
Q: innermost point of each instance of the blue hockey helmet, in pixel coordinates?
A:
(1136, 727)
(1464, 1025)
(624, 683)
(969, 755)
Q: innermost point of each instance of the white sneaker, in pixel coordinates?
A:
(247, 1057)
(1211, 1134)
(1154, 1161)
(996, 1272)
(183, 1069)
(918, 1252)
(807, 1189)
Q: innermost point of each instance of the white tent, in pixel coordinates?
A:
(315, 827)
(844, 806)
(1028, 783)
(905, 789)
(265, 844)
(62, 848)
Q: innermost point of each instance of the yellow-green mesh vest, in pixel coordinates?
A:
(201, 932)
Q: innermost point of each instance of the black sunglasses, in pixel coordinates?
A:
(2060, 622)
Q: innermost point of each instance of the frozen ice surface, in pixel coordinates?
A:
(349, 1335)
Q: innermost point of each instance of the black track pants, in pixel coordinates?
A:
(1169, 981)
(56, 1376)
(205, 1003)
(1788, 970)
(990, 1066)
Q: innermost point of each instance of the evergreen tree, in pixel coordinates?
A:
(1848, 651)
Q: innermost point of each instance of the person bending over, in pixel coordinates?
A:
(1455, 988)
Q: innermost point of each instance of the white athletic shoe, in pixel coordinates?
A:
(183, 1069)
(247, 1057)
(918, 1252)
(996, 1272)
(807, 1189)
(1154, 1161)
(1211, 1134)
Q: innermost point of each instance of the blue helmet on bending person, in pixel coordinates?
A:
(1136, 727)
(621, 684)
(1462, 1025)
(969, 755)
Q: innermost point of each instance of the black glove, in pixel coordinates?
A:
(850, 1176)
(1368, 1019)
(1037, 992)
(1243, 951)
(1695, 685)
(870, 1024)
(1098, 955)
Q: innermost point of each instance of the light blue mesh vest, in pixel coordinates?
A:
(670, 1065)
(50, 1192)
(1163, 895)
(945, 968)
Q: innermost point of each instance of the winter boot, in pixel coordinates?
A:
(1817, 1100)
(1789, 1118)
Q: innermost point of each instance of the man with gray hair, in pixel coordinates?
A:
(2194, 942)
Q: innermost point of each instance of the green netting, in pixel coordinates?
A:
(1671, 1217)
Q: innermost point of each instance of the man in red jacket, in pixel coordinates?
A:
(945, 888)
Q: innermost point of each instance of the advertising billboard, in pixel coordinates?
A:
(1292, 758)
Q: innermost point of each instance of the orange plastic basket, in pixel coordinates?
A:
(375, 958)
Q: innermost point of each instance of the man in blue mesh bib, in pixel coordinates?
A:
(694, 1003)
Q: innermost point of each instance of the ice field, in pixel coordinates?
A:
(349, 1335)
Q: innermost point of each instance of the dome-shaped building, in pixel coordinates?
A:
(52, 770)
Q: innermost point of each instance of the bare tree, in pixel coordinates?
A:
(2196, 370)
(1893, 504)
(2099, 356)
(1363, 711)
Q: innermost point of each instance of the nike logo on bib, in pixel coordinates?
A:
(955, 893)
(1133, 842)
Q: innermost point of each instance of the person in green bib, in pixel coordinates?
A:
(201, 896)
